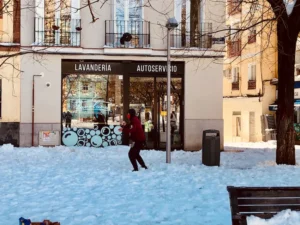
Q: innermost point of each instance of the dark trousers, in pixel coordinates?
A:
(68, 123)
(134, 155)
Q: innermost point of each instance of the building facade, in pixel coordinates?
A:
(83, 69)
(10, 73)
(249, 69)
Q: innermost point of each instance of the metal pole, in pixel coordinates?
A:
(32, 121)
(168, 150)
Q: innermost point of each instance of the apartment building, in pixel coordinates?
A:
(250, 67)
(83, 69)
(10, 72)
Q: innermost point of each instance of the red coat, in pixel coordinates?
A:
(135, 129)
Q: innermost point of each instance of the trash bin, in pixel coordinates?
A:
(211, 148)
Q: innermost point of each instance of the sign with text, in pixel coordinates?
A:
(69, 67)
(155, 67)
(106, 67)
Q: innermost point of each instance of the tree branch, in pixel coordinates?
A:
(92, 13)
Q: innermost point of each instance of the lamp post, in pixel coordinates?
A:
(33, 98)
(171, 24)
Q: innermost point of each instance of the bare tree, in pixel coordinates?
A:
(288, 28)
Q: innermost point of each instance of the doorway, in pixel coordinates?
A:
(148, 96)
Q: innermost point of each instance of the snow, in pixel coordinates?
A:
(78, 185)
(9, 44)
(286, 217)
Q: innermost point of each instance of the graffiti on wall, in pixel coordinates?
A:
(108, 135)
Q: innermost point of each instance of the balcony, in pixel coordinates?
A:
(127, 34)
(57, 32)
(251, 84)
(251, 39)
(234, 48)
(235, 86)
(234, 7)
(184, 38)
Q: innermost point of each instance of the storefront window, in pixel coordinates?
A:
(92, 100)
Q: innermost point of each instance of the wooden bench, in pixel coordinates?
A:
(263, 202)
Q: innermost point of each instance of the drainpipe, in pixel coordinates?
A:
(32, 123)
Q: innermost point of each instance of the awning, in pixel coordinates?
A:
(273, 107)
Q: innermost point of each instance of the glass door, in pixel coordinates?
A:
(141, 98)
(148, 96)
(176, 109)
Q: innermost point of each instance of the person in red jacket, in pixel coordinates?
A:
(137, 135)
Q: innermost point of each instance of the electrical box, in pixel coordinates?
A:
(49, 138)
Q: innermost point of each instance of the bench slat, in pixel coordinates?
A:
(262, 202)
(260, 215)
(267, 193)
(271, 201)
(274, 208)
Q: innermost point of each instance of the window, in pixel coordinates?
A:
(227, 73)
(128, 10)
(85, 86)
(235, 79)
(251, 72)
(234, 7)
(251, 76)
(235, 75)
(191, 32)
(93, 99)
(252, 35)
(129, 19)
(255, 6)
(57, 22)
(73, 105)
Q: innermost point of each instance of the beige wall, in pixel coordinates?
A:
(203, 100)
(10, 77)
(244, 106)
(203, 93)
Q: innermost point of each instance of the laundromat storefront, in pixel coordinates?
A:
(97, 94)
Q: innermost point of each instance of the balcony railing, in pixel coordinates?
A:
(57, 32)
(127, 34)
(251, 84)
(234, 48)
(234, 7)
(251, 39)
(235, 86)
(184, 38)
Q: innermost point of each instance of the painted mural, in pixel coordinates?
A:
(108, 135)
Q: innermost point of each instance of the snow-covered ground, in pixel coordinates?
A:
(86, 186)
